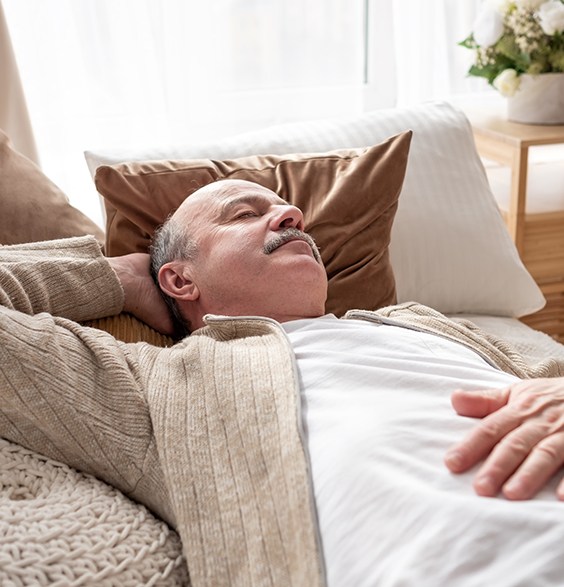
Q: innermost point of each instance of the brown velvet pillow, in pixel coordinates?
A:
(348, 197)
(32, 207)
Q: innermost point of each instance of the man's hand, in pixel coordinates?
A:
(142, 298)
(522, 431)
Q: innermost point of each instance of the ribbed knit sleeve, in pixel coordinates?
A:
(67, 277)
(66, 391)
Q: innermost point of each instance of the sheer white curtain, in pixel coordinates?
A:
(105, 73)
(414, 49)
(428, 55)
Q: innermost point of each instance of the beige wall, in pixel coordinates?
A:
(14, 118)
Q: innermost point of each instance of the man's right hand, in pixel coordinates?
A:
(142, 297)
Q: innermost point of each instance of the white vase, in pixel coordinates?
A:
(539, 99)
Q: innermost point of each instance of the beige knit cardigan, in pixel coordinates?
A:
(206, 433)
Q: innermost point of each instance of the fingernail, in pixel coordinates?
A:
(453, 460)
(513, 488)
(484, 486)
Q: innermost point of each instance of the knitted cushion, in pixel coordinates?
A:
(61, 527)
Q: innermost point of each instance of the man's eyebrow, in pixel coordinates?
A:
(251, 200)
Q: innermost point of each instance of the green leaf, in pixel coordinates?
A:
(507, 47)
(468, 42)
(490, 72)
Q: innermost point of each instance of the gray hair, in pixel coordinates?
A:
(172, 242)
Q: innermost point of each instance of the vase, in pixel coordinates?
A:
(539, 99)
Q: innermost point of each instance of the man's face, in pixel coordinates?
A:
(253, 258)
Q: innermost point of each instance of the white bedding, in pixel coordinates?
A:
(389, 511)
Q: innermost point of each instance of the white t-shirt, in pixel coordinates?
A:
(378, 420)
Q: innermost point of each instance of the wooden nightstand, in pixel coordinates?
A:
(539, 237)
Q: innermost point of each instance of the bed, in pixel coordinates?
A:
(426, 228)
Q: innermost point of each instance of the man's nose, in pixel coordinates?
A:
(287, 217)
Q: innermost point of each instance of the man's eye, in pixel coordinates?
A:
(246, 214)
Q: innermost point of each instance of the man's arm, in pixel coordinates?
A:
(72, 393)
(48, 277)
(521, 437)
(67, 277)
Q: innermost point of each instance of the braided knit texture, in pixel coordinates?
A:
(59, 527)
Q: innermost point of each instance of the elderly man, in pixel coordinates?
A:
(206, 432)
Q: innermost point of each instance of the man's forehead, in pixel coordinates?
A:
(219, 197)
(250, 195)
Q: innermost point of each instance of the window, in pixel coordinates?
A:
(123, 73)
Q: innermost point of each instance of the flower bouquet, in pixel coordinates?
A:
(515, 37)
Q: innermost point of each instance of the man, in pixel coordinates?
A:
(199, 432)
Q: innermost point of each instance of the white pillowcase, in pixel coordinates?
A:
(450, 249)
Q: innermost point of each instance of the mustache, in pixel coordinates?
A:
(291, 234)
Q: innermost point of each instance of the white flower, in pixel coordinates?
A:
(488, 26)
(551, 17)
(501, 6)
(512, 37)
(530, 4)
(507, 82)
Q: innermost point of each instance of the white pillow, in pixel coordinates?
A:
(450, 249)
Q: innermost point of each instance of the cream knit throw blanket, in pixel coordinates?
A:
(61, 528)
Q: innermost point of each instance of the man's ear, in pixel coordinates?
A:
(175, 280)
